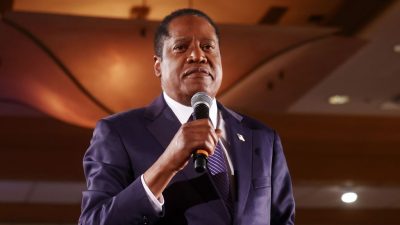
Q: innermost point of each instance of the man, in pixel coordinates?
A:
(139, 168)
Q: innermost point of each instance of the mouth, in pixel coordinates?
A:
(198, 72)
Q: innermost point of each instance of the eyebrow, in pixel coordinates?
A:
(179, 39)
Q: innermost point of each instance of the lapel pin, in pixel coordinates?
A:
(241, 137)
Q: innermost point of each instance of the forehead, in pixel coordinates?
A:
(191, 25)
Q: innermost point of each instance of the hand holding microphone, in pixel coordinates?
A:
(195, 139)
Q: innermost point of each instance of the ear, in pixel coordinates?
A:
(157, 66)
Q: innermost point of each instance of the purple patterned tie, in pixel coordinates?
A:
(217, 166)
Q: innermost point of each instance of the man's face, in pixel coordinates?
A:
(191, 60)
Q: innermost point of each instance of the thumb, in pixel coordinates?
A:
(218, 132)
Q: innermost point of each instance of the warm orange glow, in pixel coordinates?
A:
(236, 13)
(99, 8)
(61, 107)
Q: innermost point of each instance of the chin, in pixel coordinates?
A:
(201, 89)
(195, 87)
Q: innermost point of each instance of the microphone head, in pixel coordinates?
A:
(201, 97)
(201, 104)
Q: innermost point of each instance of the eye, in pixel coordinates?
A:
(179, 48)
(207, 47)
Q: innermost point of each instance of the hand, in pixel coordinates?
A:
(197, 134)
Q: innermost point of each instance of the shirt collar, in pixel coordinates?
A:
(183, 112)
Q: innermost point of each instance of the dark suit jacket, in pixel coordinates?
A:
(125, 145)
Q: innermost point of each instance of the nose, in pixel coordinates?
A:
(196, 55)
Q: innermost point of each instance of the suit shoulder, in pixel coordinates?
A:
(248, 121)
(256, 124)
(125, 116)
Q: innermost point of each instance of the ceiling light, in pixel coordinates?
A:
(396, 48)
(339, 99)
(349, 197)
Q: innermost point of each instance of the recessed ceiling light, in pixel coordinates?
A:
(349, 197)
(339, 99)
(396, 48)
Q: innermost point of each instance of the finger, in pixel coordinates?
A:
(203, 145)
(198, 122)
(216, 135)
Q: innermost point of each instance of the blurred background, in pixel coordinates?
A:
(325, 74)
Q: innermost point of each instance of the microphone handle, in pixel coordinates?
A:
(200, 160)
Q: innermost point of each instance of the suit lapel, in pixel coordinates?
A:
(163, 124)
(240, 149)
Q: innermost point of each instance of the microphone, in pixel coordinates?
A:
(201, 104)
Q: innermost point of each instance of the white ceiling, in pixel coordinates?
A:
(371, 78)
